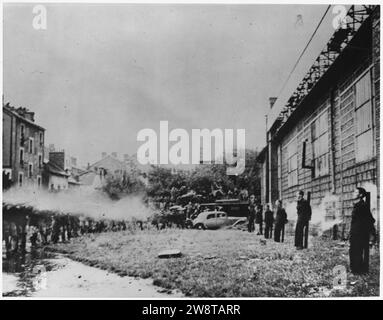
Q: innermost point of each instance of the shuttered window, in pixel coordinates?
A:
(292, 163)
(320, 141)
(363, 119)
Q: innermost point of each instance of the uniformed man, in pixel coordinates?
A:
(251, 214)
(189, 209)
(55, 229)
(302, 226)
(362, 225)
(280, 221)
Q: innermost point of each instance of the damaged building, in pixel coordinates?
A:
(325, 138)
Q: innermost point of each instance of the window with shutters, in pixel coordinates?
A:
(38, 181)
(320, 139)
(21, 156)
(363, 119)
(30, 170)
(41, 139)
(21, 178)
(22, 134)
(30, 145)
(40, 162)
(292, 163)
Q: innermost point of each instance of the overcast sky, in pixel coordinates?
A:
(100, 73)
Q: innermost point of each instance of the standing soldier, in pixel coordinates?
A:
(302, 226)
(269, 220)
(55, 229)
(14, 237)
(259, 219)
(189, 209)
(23, 232)
(7, 236)
(251, 215)
(362, 225)
(280, 221)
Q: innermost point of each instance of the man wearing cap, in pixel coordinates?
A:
(362, 225)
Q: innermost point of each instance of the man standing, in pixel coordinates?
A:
(259, 219)
(269, 221)
(362, 225)
(251, 216)
(55, 229)
(302, 226)
(189, 209)
(280, 221)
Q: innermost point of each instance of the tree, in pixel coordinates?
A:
(117, 187)
(163, 180)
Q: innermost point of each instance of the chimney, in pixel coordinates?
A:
(272, 101)
(58, 158)
(25, 113)
(30, 116)
(103, 155)
(114, 155)
(51, 147)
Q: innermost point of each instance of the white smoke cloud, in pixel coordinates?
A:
(321, 217)
(82, 201)
(331, 206)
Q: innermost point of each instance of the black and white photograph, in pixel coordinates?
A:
(193, 150)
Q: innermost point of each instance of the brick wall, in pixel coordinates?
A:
(337, 106)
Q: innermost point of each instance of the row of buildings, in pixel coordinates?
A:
(27, 161)
(325, 138)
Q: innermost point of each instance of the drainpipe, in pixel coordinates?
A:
(332, 149)
(267, 175)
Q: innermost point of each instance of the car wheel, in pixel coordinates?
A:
(200, 226)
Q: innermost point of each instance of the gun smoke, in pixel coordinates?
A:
(82, 201)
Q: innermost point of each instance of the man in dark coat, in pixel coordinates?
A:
(280, 221)
(55, 229)
(269, 221)
(302, 226)
(259, 219)
(251, 214)
(362, 226)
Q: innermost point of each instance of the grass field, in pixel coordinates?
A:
(224, 263)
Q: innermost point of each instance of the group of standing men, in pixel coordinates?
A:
(256, 217)
(362, 226)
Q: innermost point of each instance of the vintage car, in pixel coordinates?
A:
(211, 220)
(233, 207)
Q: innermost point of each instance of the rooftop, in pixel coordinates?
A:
(22, 114)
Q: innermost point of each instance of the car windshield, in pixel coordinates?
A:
(210, 216)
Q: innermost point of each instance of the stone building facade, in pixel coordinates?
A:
(328, 143)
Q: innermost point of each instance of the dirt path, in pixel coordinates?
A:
(68, 278)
